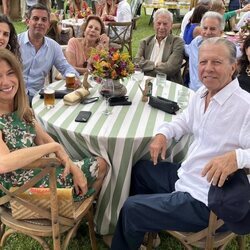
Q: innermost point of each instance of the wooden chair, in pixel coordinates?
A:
(176, 28)
(52, 223)
(121, 37)
(206, 239)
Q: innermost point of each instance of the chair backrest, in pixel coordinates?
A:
(121, 33)
(46, 208)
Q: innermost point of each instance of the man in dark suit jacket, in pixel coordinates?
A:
(162, 52)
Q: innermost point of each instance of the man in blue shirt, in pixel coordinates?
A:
(212, 25)
(40, 53)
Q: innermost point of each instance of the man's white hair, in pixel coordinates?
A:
(163, 11)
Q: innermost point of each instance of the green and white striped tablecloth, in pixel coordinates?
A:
(122, 138)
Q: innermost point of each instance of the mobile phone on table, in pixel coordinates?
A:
(83, 116)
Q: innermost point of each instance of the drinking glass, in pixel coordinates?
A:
(161, 79)
(182, 99)
(107, 91)
(138, 75)
(49, 96)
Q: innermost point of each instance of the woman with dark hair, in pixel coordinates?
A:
(8, 36)
(244, 66)
(193, 28)
(78, 49)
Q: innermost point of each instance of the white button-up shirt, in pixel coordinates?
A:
(224, 127)
(157, 52)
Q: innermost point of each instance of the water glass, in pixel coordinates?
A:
(138, 75)
(161, 79)
(182, 99)
(107, 91)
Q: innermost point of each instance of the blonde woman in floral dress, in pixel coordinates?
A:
(22, 140)
(78, 49)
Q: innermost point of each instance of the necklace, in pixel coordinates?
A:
(248, 70)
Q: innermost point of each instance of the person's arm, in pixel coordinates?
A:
(174, 61)
(167, 130)
(229, 15)
(10, 161)
(140, 58)
(233, 13)
(60, 62)
(43, 138)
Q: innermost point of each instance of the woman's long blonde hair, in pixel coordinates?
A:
(21, 104)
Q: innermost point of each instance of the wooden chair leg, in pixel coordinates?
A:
(241, 242)
(151, 237)
(90, 218)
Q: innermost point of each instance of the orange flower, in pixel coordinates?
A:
(115, 56)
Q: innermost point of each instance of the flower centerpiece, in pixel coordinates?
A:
(110, 64)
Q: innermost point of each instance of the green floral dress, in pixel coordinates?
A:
(18, 134)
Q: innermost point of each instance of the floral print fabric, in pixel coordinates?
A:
(19, 134)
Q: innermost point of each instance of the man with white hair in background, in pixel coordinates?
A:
(188, 15)
(161, 52)
(212, 25)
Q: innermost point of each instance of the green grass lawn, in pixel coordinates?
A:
(81, 241)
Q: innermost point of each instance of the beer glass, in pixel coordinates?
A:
(70, 81)
(49, 97)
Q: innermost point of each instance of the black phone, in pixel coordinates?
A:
(83, 116)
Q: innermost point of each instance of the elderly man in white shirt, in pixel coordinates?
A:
(176, 195)
(188, 15)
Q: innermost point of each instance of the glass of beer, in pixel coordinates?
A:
(70, 81)
(49, 98)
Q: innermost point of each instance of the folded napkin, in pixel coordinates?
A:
(75, 96)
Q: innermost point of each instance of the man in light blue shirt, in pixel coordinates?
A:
(40, 53)
(212, 25)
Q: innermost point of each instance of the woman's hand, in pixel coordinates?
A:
(104, 41)
(80, 181)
